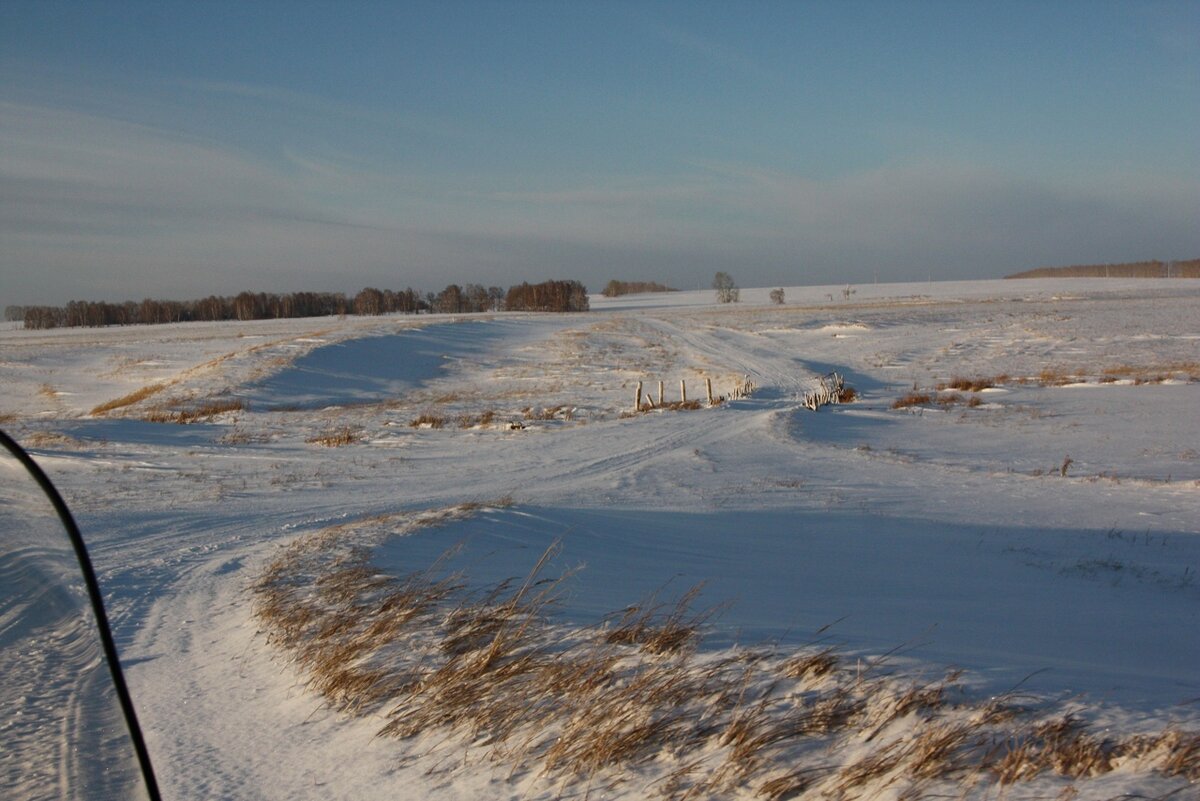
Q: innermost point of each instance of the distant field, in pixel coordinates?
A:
(1189, 268)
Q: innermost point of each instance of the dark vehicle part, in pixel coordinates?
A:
(67, 724)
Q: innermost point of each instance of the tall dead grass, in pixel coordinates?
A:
(636, 697)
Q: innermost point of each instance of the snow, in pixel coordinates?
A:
(948, 532)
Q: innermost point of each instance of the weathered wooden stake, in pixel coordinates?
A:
(682, 391)
(660, 394)
(637, 399)
(708, 389)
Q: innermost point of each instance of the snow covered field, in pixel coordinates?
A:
(1042, 534)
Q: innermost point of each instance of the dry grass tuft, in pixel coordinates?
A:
(1180, 754)
(972, 384)
(912, 399)
(1056, 377)
(335, 438)
(136, 396)
(655, 632)
(811, 665)
(466, 420)
(428, 420)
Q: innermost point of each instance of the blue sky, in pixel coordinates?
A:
(177, 150)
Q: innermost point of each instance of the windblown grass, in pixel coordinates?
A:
(137, 396)
(636, 698)
(206, 410)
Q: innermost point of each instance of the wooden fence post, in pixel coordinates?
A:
(682, 391)
(708, 389)
(637, 398)
(660, 394)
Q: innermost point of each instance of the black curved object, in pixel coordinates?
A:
(97, 601)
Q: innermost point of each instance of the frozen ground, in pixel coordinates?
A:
(1046, 537)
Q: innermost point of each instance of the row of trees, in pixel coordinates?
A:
(244, 306)
(547, 296)
(615, 288)
(554, 296)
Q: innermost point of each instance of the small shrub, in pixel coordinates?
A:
(428, 420)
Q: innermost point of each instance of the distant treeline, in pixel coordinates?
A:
(614, 288)
(554, 296)
(1189, 268)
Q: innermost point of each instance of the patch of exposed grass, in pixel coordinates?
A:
(912, 399)
(428, 420)
(635, 695)
(44, 439)
(1152, 373)
(137, 396)
(977, 384)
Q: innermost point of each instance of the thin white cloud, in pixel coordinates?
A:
(316, 105)
(714, 52)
